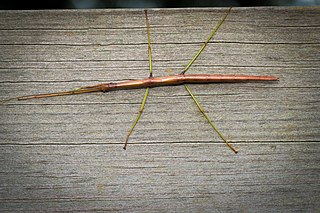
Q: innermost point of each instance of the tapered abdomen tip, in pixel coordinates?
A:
(273, 78)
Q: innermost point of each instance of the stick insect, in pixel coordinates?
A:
(150, 82)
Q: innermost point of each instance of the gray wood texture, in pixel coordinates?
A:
(65, 153)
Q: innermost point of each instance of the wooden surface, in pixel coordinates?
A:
(65, 153)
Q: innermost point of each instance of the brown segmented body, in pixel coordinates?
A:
(157, 82)
(182, 79)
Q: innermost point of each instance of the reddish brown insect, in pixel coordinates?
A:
(182, 78)
(156, 82)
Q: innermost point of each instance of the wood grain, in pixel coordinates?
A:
(65, 153)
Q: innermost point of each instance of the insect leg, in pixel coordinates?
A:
(147, 90)
(189, 90)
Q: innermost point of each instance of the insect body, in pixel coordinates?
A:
(149, 82)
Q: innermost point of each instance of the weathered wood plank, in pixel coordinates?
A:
(161, 177)
(65, 153)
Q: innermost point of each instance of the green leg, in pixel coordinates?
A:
(190, 92)
(208, 119)
(206, 42)
(147, 90)
(138, 117)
